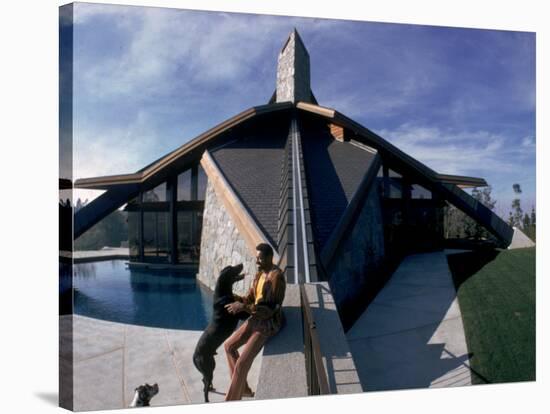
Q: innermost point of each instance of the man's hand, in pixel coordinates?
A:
(234, 307)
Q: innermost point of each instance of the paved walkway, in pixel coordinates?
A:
(411, 335)
(112, 359)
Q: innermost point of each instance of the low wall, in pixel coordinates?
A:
(283, 371)
(342, 375)
(359, 254)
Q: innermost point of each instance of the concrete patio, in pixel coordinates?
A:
(107, 253)
(111, 359)
(411, 335)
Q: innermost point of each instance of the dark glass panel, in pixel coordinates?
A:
(202, 181)
(133, 234)
(155, 236)
(184, 186)
(189, 236)
(419, 192)
(156, 194)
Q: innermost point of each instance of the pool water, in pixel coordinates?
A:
(110, 291)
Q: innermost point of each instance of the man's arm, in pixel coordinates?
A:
(243, 303)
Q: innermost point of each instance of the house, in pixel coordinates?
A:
(334, 200)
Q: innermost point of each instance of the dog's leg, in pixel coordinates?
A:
(208, 374)
(135, 400)
(207, 385)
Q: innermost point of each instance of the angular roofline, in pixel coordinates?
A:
(440, 182)
(354, 207)
(450, 191)
(108, 181)
(342, 120)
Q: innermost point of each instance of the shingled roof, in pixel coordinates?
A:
(252, 165)
(334, 171)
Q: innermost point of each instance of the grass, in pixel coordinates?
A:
(496, 293)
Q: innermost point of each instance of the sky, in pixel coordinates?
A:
(147, 80)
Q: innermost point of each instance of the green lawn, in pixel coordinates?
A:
(496, 293)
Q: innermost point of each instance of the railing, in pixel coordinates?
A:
(315, 370)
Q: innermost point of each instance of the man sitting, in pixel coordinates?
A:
(264, 304)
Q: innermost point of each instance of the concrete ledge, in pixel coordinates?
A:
(84, 256)
(164, 266)
(342, 374)
(283, 371)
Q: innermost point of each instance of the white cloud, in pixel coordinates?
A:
(116, 150)
(169, 49)
(452, 152)
(528, 142)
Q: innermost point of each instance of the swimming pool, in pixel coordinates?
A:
(110, 291)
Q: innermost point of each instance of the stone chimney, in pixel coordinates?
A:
(293, 81)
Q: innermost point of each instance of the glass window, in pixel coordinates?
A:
(396, 184)
(419, 192)
(156, 194)
(184, 186)
(133, 234)
(189, 236)
(202, 181)
(155, 236)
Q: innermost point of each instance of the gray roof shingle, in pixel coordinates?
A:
(252, 164)
(334, 171)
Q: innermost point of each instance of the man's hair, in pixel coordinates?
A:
(265, 248)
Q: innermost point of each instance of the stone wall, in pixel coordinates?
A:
(293, 72)
(222, 245)
(359, 254)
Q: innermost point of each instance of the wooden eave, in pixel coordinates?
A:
(462, 181)
(109, 181)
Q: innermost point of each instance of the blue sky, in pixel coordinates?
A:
(146, 80)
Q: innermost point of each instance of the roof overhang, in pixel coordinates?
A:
(462, 181)
(110, 181)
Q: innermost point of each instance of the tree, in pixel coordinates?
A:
(516, 215)
(530, 224)
(460, 225)
(110, 231)
(526, 223)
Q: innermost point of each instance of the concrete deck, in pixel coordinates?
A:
(112, 359)
(411, 335)
(108, 253)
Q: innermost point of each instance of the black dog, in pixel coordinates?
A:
(143, 395)
(222, 325)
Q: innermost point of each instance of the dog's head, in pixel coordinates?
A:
(228, 276)
(144, 394)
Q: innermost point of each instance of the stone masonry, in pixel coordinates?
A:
(360, 253)
(222, 245)
(293, 77)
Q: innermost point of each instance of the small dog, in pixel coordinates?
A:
(222, 325)
(143, 395)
